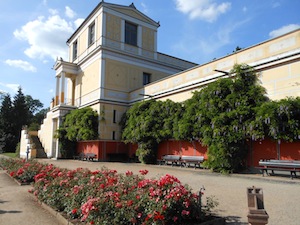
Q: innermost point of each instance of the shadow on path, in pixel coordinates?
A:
(234, 220)
(11, 211)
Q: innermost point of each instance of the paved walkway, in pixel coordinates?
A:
(281, 194)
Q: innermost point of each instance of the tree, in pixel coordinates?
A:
(23, 110)
(33, 105)
(237, 48)
(37, 119)
(221, 116)
(35, 112)
(7, 135)
(148, 123)
(20, 112)
(78, 125)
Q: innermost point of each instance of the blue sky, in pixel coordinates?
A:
(34, 33)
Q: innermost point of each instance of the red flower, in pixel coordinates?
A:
(20, 171)
(74, 211)
(119, 205)
(129, 173)
(76, 189)
(158, 216)
(185, 213)
(92, 222)
(143, 172)
(148, 217)
(12, 174)
(129, 203)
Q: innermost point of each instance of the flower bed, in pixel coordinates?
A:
(23, 172)
(106, 197)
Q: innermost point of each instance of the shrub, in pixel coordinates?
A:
(106, 197)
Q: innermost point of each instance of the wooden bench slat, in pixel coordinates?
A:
(292, 166)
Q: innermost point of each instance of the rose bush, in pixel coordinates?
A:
(107, 197)
(21, 170)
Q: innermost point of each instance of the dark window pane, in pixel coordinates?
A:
(130, 34)
(92, 34)
(146, 78)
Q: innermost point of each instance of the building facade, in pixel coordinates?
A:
(113, 63)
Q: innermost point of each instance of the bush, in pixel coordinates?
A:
(106, 197)
(21, 170)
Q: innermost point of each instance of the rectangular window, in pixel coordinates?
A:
(75, 50)
(115, 116)
(92, 33)
(131, 33)
(146, 78)
(114, 135)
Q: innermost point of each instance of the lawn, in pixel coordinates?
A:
(10, 154)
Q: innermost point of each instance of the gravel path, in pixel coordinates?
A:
(17, 207)
(281, 194)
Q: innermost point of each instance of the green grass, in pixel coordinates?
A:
(10, 154)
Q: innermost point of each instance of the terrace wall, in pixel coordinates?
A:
(116, 151)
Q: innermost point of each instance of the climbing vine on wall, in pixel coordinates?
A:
(224, 116)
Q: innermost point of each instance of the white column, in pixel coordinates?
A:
(62, 89)
(139, 39)
(57, 91)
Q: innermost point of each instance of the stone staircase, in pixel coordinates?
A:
(40, 152)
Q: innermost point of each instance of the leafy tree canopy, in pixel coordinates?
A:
(148, 123)
(220, 116)
(279, 120)
(81, 124)
(14, 114)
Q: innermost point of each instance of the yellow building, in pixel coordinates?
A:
(113, 62)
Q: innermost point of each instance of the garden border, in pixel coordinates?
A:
(15, 180)
(64, 221)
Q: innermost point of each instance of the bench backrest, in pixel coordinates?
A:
(283, 161)
(90, 154)
(277, 163)
(192, 158)
(171, 157)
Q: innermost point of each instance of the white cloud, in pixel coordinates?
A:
(21, 64)
(283, 30)
(78, 22)
(70, 13)
(53, 11)
(145, 8)
(46, 37)
(206, 10)
(13, 87)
